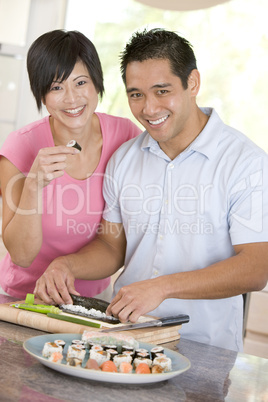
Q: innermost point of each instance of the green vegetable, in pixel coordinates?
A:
(29, 298)
(38, 308)
(74, 320)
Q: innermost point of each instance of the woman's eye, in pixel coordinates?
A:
(55, 88)
(81, 83)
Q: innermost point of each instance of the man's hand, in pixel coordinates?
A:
(136, 299)
(56, 283)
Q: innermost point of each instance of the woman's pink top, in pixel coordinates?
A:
(71, 210)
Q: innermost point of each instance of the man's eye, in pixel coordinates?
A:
(162, 91)
(136, 95)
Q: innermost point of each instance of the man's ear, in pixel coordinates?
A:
(194, 82)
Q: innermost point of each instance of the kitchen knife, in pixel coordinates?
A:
(161, 322)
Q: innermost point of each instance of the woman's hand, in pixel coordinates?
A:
(49, 164)
(56, 283)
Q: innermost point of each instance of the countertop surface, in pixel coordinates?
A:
(216, 374)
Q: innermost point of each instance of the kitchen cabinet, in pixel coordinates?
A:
(256, 324)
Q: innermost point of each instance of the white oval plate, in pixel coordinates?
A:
(34, 347)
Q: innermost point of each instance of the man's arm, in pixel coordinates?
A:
(247, 271)
(99, 259)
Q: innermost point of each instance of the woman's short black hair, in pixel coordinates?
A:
(159, 43)
(53, 56)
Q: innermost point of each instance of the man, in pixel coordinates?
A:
(186, 205)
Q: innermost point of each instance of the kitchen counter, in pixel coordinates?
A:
(216, 374)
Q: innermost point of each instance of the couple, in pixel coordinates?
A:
(186, 206)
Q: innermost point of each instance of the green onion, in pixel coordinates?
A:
(74, 320)
(29, 298)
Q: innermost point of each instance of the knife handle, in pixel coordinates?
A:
(174, 319)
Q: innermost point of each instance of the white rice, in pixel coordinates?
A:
(80, 309)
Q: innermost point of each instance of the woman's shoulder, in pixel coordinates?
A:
(30, 130)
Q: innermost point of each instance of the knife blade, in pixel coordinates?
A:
(161, 322)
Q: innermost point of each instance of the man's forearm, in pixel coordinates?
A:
(245, 272)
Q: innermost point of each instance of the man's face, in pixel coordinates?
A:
(159, 102)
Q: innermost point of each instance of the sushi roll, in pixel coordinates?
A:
(49, 348)
(76, 351)
(143, 368)
(78, 342)
(122, 358)
(105, 347)
(127, 348)
(129, 353)
(60, 342)
(109, 366)
(125, 367)
(91, 364)
(100, 356)
(155, 350)
(157, 369)
(74, 144)
(139, 360)
(164, 362)
(144, 355)
(112, 352)
(56, 357)
(96, 348)
(141, 350)
(74, 361)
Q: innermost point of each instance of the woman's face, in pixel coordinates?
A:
(72, 102)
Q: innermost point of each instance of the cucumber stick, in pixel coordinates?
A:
(74, 320)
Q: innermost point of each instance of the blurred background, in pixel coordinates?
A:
(230, 40)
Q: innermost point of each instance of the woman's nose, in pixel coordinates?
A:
(70, 95)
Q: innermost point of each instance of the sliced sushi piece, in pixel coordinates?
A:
(138, 360)
(96, 348)
(157, 369)
(74, 361)
(141, 350)
(127, 348)
(144, 355)
(105, 347)
(75, 351)
(100, 356)
(49, 348)
(155, 350)
(56, 357)
(122, 358)
(129, 353)
(164, 362)
(92, 364)
(60, 342)
(143, 368)
(125, 367)
(112, 352)
(109, 366)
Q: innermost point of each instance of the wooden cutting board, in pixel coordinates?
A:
(155, 335)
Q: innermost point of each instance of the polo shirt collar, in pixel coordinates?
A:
(206, 142)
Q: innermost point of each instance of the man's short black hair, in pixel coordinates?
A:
(160, 44)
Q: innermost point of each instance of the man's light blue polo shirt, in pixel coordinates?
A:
(186, 214)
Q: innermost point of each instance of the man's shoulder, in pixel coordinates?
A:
(130, 147)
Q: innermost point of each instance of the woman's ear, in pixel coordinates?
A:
(194, 82)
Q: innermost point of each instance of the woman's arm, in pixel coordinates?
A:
(22, 202)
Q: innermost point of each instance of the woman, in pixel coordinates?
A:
(52, 193)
